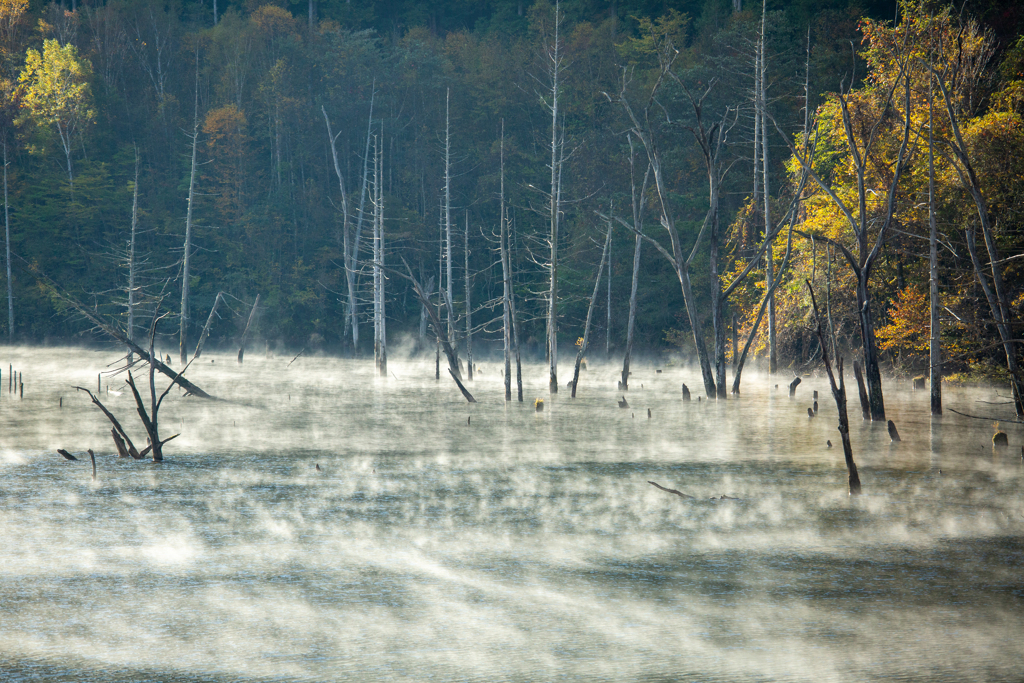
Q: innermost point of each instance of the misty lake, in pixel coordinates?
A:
(446, 541)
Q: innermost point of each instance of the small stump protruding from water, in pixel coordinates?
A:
(810, 412)
(815, 394)
(623, 403)
(793, 385)
(648, 413)
(894, 435)
(538, 404)
(686, 393)
(1000, 440)
(815, 405)
(828, 444)
(919, 382)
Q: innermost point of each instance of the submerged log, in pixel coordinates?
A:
(678, 493)
(67, 456)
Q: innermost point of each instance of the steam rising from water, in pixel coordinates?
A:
(525, 546)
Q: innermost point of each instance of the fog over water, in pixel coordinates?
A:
(520, 546)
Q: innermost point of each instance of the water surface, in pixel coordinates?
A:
(489, 542)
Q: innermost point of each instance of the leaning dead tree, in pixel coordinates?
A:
(639, 201)
(150, 418)
(118, 335)
(439, 329)
(839, 394)
(590, 312)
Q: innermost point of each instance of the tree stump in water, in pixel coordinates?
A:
(1000, 440)
(810, 413)
(815, 406)
(919, 382)
(623, 403)
(793, 385)
(538, 404)
(686, 393)
(893, 434)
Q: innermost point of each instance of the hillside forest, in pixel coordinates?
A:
(592, 177)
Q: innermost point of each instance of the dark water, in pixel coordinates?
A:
(523, 546)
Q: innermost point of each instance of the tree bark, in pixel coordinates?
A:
(469, 310)
(590, 311)
(187, 255)
(7, 244)
(839, 394)
(245, 332)
(934, 340)
(206, 327)
(554, 55)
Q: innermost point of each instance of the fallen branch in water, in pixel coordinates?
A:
(984, 417)
(678, 493)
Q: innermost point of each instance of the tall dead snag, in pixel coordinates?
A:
(590, 311)
(639, 201)
(510, 328)
(839, 393)
(187, 254)
(469, 310)
(245, 332)
(710, 141)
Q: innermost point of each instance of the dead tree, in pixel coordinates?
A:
(245, 332)
(510, 330)
(187, 254)
(638, 201)
(206, 327)
(115, 333)
(590, 312)
(150, 417)
(469, 310)
(439, 330)
(839, 394)
(642, 128)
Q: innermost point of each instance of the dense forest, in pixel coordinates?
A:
(344, 160)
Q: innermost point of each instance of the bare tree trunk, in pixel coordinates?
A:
(506, 296)
(353, 257)
(608, 313)
(839, 394)
(131, 255)
(590, 311)
(638, 203)
(245, 332)
(555, 70)
(7, 243)
(448, 219)
(770, 261)
(382, 277)
(469, 310)
(376, 255)
(187, 255)
(934, 342)
(206, 328)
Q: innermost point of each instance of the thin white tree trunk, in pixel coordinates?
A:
(448, 221)
(555, 68)
(934, 343)
(469, 311)
(590, 312)
(187, 255)
(7, 244)
(131, 256)
(352, 258)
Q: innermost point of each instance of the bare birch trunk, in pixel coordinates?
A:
(506, 296)
(590, 312)
(7, 244)
(555, 69)
(131, 254)
(186, 257)
(469, 310)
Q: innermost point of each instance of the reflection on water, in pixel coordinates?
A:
(521, 546)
